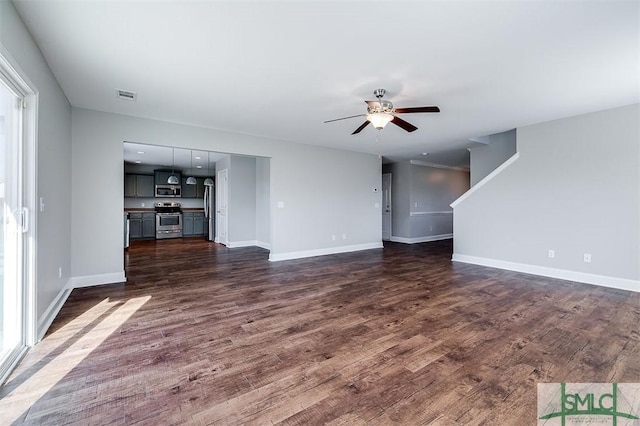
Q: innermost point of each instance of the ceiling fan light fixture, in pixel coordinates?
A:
(379, 119)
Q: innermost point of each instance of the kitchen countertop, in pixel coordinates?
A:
(145, 210)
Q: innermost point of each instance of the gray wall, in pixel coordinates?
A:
(485, 158)
(432, 190)
(263, 200)
(400, 199)
(420, 197)
(242, 199)
(575, 189)
(53, 245)
(324, 191)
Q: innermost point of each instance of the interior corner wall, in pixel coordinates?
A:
(53, 238)
(486, 158)
(574, 189)
(263, 190)
(242, 199)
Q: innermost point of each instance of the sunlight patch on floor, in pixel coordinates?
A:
(13, 405)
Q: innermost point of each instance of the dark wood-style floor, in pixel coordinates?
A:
(202, 334)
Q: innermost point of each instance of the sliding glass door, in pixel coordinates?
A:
(12, 288)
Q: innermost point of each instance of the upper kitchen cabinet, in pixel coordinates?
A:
(162, 176)
(138, 185)
(188, 191)
(193, 191)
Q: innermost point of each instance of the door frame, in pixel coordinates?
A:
(25, 89)
(390, 205)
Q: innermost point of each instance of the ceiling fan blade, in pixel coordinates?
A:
(344, 118)
(401, 123)
(417, 109)
(362, 126)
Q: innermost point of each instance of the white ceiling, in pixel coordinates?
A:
(279, 69)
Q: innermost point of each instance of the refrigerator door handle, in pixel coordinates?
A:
(206, 201)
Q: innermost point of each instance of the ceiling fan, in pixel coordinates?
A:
(381, 112)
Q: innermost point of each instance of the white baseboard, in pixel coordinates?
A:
(91, 280)
(74, 282)
(421, 239)
(52, 312)
(562, 274)
(322, 252)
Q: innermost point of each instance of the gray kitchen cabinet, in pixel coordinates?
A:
(138, 185)
(148, 225)
(193, 191)
(198, 223)
(193, 224)
(188, 191)
(135, 226)
(142, 226)
(187, 224)
(200, 188)
(129, 185)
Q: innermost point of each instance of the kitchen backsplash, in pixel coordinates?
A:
(147, 203)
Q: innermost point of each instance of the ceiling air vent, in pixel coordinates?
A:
(126, 95)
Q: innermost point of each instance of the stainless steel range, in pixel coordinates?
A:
(168, 220)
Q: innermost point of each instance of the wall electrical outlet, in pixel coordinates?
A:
(59, 272)
(552, 254)
(587, 258)
(344, 236)
(333, 238)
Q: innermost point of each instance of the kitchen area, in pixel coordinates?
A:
(168, 193)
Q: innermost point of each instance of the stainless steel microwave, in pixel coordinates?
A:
(168, 191)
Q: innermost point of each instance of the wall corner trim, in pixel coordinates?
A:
(91, 280)
(322, 252)
(418, 240)
(562, 274)
(486, 179)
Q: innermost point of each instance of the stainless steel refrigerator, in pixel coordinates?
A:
(210, 211)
